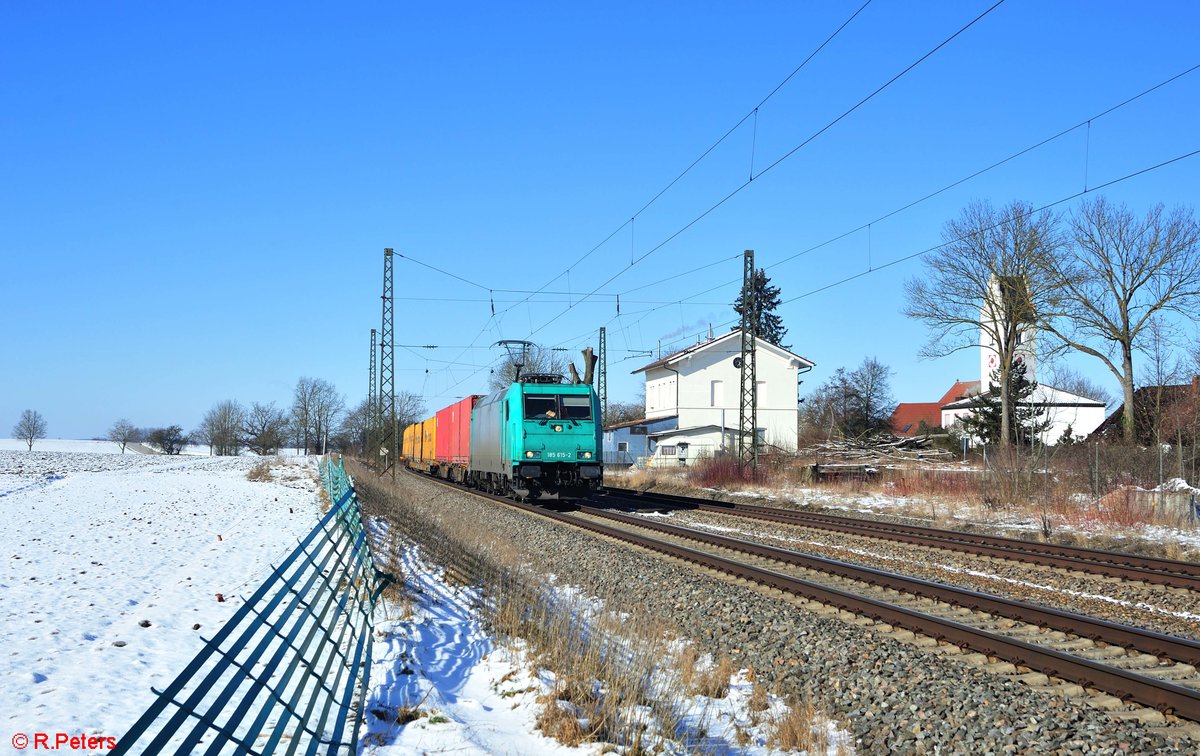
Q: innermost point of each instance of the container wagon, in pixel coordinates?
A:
(453, 444)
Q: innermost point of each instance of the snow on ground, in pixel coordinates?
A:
(110, 562)
(466, 693)
(66, 445)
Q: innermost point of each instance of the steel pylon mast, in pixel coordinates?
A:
(748, 405)
(387, 377)
(602, 376)
(372, 409)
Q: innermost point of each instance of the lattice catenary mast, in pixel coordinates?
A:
(387, 377)
(602, 377)
(369, 450)
(748, 405)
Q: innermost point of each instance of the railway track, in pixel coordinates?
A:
(1167, 572)
(1126, 663)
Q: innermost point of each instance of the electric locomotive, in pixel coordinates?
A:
(537, 439)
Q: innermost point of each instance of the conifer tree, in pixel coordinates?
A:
(767, 325)
(1025, 420)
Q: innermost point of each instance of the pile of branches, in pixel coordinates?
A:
(879, 447)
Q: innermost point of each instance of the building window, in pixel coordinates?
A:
(622, 446)
(717, 394)
(667, 451)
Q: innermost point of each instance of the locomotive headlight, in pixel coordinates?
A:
(558, 429)
(532, 454)
(585, 455)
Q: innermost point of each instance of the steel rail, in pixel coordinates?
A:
(1125, 636)
(1124, 684)
(1168, 572)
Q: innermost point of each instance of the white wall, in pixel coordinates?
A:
(1062, 409)
(778, 408)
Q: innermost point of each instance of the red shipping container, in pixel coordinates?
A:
(454, 431)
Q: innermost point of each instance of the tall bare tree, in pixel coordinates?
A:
(1118, 275)
(988, 277)
(303, 401)
(221, 428)
(123, 433)
(327, 406)
(265, 428)
(30, 427)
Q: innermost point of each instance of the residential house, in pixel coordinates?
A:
(696, 393)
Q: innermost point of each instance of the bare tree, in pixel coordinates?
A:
(1118, 276)
(169, 440)
(327, 406)
(875, 403)
(852, 403)
(536, 360)
(989, 278)
(303, 399)
(222, 428)
(1076, 383)
(265, 428)
(355, 426)
(624, 412)
(123, 433)
(410, 408)
(30, 427)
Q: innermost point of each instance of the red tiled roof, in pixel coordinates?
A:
(960, 390)
(907, 417)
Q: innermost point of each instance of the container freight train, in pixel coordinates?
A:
(530, 440)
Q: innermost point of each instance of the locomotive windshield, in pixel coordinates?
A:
(576, 407)
(541, 406)
(550, 406)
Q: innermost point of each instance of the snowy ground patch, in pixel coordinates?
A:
(440, 683)
(113, 560)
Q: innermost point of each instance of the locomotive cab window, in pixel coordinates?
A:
(540, 406)
(576, 407)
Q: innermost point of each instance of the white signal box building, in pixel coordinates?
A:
(700, 386)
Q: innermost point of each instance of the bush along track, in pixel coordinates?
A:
(892, 695)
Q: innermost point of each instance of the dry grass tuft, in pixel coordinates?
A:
(559, 724)
(714, 682)
(260, 472)
(800, 730)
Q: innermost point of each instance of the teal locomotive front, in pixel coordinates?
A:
(537, 441)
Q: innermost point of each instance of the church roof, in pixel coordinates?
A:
(960, 390)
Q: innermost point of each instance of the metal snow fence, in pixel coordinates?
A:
(288, 672)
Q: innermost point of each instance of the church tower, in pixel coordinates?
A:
(1008, 301)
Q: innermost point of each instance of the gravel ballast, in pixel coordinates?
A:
(893, 696)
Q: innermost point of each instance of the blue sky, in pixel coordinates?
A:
(195, 199)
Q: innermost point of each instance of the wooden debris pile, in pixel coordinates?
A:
(877, 449)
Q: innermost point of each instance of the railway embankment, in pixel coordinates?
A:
(892, 694)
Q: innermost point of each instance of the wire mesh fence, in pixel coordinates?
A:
(288, 672)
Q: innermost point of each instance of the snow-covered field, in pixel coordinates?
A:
(112, 567)
(114, 563)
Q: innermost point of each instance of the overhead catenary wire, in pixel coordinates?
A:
(778, 161)
(1085, 122)
(909, 205)
(496, 319)
(751, 112)
(927, 250)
